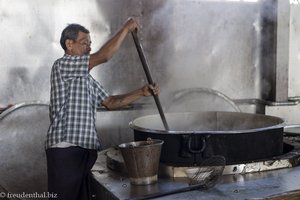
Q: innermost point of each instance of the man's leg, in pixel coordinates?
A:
(68, 169)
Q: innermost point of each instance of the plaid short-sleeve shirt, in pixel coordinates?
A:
(74, 97)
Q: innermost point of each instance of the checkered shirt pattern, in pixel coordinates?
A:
(74, 98)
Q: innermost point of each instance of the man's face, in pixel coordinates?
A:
(81, 46)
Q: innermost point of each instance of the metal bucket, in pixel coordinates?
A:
(142, 160)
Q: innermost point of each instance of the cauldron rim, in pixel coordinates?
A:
(279, 124)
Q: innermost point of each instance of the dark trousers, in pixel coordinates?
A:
(69, 172)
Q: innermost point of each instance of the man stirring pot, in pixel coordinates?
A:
(72, 142)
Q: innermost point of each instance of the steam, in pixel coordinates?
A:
(208, 44)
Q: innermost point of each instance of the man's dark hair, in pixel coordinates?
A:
(71, 33)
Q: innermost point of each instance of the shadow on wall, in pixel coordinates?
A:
(21, 86)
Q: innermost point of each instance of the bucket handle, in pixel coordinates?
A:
(131, 146)
(149, 140)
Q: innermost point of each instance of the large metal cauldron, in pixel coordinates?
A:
(193, 136)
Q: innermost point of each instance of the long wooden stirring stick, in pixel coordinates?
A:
(148, 75)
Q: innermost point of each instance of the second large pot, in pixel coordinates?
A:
(194, 136)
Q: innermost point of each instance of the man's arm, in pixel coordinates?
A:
(111, 46)
(119, 101)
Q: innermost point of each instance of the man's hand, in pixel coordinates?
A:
(131, 25)
(149, 90)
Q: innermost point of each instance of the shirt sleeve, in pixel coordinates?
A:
(101, 92)
(74, 66)
(97, 91)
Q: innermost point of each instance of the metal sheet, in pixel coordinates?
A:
(22, 136)
(238, 186)
(193, 36)
(294, 53)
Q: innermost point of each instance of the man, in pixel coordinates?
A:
(72, 143)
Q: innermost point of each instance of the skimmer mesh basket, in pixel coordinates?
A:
(208, 173)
